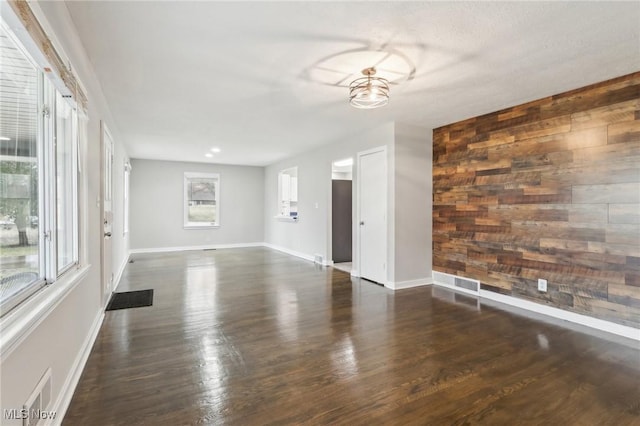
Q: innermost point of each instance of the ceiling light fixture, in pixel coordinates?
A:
(369, 92)
(215, 150)
(208, 155)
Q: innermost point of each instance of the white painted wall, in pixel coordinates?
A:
(60, 339)
(157, 193)
(409, 153)
(311, 234)
(413, 203)
(342, 175)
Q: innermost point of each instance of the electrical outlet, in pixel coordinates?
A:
(542, 285)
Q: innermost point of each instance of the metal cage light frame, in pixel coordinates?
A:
(369, 92)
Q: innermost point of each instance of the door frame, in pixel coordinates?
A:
(330, 215)
(357, 269)
(106, 286)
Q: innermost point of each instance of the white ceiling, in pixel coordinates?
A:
(182, 77)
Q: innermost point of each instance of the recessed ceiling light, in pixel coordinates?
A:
(208, 154)
(343, 163)
(215, 149)
(4, 138)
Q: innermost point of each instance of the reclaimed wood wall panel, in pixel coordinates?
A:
(549, 189)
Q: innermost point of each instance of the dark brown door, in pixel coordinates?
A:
(341, 219)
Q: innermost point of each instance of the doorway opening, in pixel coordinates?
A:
(342, 214)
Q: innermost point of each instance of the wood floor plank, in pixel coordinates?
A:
(254, 337)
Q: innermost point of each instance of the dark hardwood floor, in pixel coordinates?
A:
(253, 337)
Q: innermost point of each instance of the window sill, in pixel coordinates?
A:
(201, 226)
(286, 218)
(17, 324)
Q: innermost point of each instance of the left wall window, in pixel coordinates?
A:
(38, 177)
(66, 185)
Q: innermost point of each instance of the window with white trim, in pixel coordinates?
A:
(288, 193)
(65, 184)
(201, 200)
(38, 177)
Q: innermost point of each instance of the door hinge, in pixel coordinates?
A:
(47, 235)
(46, 111)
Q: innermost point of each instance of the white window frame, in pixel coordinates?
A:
(288, 194)
(185, 201)
(51, 202)
(12, 311)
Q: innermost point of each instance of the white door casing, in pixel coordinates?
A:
(372, 214)
(107, 213)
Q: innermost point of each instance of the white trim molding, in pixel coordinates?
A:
(118, 276)
(71, 382)
(584, 320)
(399, 285)
(18, 324)
(301, 255)
(286, 218)
(190, 248)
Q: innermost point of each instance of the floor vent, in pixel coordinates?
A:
(468, 284)
(38, 403)
(465, 285)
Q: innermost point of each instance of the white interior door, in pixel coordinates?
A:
(372, 214)
(107, 212)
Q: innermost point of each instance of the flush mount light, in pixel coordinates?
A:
(4, 138)
(208, 155)
(369, 92)
(215, 150)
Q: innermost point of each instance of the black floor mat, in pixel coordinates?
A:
(130, 299)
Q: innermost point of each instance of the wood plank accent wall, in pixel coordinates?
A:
(549, 189)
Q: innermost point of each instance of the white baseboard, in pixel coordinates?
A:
(190, 248)
(118, 276)
(596, 323)
(580, 319)
(355, 273)
(69, 386)
(301, 255)
(399, 285)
